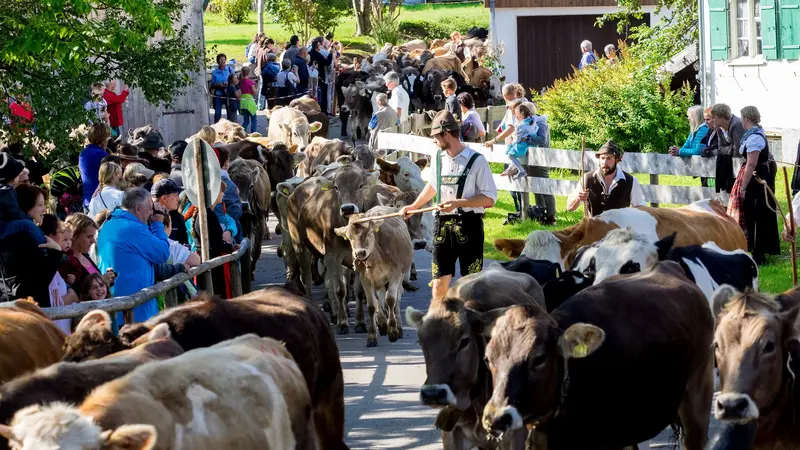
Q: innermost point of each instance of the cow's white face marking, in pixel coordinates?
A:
(544, 245)
(199, 396)
(451, 398)
(702, 278)
(638, 220)
(409, 176)
(54, 427)
(622, 251)
(516, 418)
(751, 413)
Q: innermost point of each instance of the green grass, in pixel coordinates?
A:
(222, 37)
(774, 277)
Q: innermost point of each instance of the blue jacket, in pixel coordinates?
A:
(694, 143)
(89, 165)
(233, 204)
(132, 248)
(302, 74)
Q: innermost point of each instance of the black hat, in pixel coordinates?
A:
(176, 150)
(444, 121)
(164, 187)
(10, 168)
(609, 148)
(152, 139)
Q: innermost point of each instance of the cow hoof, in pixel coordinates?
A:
(383, 330)
(280, 252)
(413, 276)
(343, 328)
(278, 230)
(393, 337)
(372, 342)
(410, 287)
(360, 328)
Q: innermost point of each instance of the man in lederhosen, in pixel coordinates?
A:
(462, 182)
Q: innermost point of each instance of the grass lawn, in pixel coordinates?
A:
(222, 37)
(774, 277)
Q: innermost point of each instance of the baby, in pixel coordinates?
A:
(525, 127)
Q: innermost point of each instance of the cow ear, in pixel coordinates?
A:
(721, 297)
(285, 189)
(298, 157)
(161, 331)
(387, 165)
(421, 163)
(665, 245)
(376, 224)
(581, 340)
(341, 232)
(372, 179)
(131, 437)
(6, 432)
(96, 318)
(384, 200)
(512, 248)
(380, 152)
(314, 127)
(285, 127)
(414, 317)
(483, 323)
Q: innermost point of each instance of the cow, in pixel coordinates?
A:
(411, 80)
(403, 173)
(359, 102)
(367, 156)
(245, 393)
(71, 382)
(757, 349)
(541, 271)
(567, 284)
(313, 113)
(255, 191)
(28, 338)
(346, 78)
(590, 366)
(626, 251)
(448, 62)
(458, 380)
(432, 97)
(414, 44)
(323, 152)
(315, 211)
(382, 255)
(695, 226)
(290, 125)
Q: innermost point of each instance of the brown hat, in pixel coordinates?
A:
(129, 153)
(444, 121)
(609, 148)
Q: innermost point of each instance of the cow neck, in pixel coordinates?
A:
(563, 375)
(482, 389)
(772, 412)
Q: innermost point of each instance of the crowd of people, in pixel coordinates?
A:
(135, 227)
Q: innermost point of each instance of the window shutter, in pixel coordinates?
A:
(718, 21)
(769, 29)
(790, 29)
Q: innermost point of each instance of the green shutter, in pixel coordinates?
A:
(769, 29)
(790, 29)
(718, 21)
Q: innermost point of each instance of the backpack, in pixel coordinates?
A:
(269, 74)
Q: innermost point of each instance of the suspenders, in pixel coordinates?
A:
(452, 180)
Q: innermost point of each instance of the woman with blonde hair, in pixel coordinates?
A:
(108, 195)
(207, 134)
(698, 130)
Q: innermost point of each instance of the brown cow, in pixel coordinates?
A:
(255, 190)
(447, 62)
(28, 338)
(313, 113)
(757, 347)
(694, 224)
(322, 151)
(245, 393)
(610, 367)
(72, 382)
(458, 379)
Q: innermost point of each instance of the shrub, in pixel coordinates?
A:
(234, 11)
(427, 30)
(627, 102)
(383, 31)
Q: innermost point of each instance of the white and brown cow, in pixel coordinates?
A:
(246, 393)
(290, 125)
(694, 224)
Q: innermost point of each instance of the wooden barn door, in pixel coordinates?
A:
(548, 46)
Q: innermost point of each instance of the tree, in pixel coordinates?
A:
(303, 16)
(52, 51)
(362, 8)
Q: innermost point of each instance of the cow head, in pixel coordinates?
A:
(565, 286)
(281, 162)
(349, 181)
(353, 95)
(495, 88)
(92, 339)
(757, 349)
(523, 355)
(405, 174)
(298, 131)
(452, 344)
(361, 235)
(366, 156)
(624, 251)
(414, 222)
(432, 93)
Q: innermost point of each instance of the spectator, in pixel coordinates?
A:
(219, 83)
(167, 194)
(588, 57)
(384, 118)
(542, 139)
(506, 131)
(90, 159)
(301, 62)
(179, 253)
(108, 195)
(94, 287)
(114, 102)
(286, 84)
(750, 204)
(78, 264)
(36, 170)
(231, 201)
(128, 154)
(292, 50)
(611, 54)
(207, 134)
(13, 219)
(132, 247)
(322, 64)
(269, 75)
(472, 128)
(732, 132)
(247, 102)
(451, 101)
(399, 100)
(176, 151)
(790, 233)
(233, 95)
(698, 130)
(151, 150)
(139, 175)
(219, 241)
(251, 50)
(60, 294)
(526, 128)
(97, 104)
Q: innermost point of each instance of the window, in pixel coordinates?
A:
(746, 27)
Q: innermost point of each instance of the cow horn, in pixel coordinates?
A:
(6, 432)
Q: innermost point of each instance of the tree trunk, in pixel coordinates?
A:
(362, 10)
(260, 16)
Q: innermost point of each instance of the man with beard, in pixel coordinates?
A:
(462, 181)
(608, 187)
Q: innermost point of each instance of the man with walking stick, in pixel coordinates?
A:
(462, 182)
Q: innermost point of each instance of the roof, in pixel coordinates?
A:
(682, 60)
(555, 3)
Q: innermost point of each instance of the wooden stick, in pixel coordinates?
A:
(581, 173)
(202, 214)
(396, 214)
(791, 226)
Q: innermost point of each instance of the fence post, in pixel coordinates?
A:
(236, 278)
(654, 180)
(246, 270)
(202, 215)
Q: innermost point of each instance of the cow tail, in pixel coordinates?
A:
(676, 439)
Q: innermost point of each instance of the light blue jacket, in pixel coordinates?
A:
(233, 204)
(694, 143)
(132, 248)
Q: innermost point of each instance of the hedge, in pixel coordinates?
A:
(426, 30)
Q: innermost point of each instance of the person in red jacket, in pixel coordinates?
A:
(115, 102)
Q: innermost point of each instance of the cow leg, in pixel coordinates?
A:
(383, 327)
(273, 205)
(304, 262)
(455, 440)
(693, 410)
(358, 292)
(369, 292)
(393, 293)
(337, 290)
(413, 276)
(315, 272)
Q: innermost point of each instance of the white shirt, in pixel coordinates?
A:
(178, 253)
(58, 289)
(637, 198)
(479, 180)
(795, 210)
(400, 100)
(109, 198)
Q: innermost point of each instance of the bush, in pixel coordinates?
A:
(626, 102)
(383, 31)
(234, 11)
(427, 30)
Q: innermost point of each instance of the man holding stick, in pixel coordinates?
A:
(463, 183)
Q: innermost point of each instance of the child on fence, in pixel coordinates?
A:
(525, 128)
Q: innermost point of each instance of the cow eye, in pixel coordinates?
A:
(539, 360)
(464, 343)
(770, 347)
(630, 267)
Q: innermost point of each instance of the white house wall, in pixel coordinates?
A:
(506, 28)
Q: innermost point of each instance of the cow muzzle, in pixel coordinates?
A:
(437, 395)
(499, 421)
(348, 209)
(735, 407)
(420, 244)
(360, 254)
